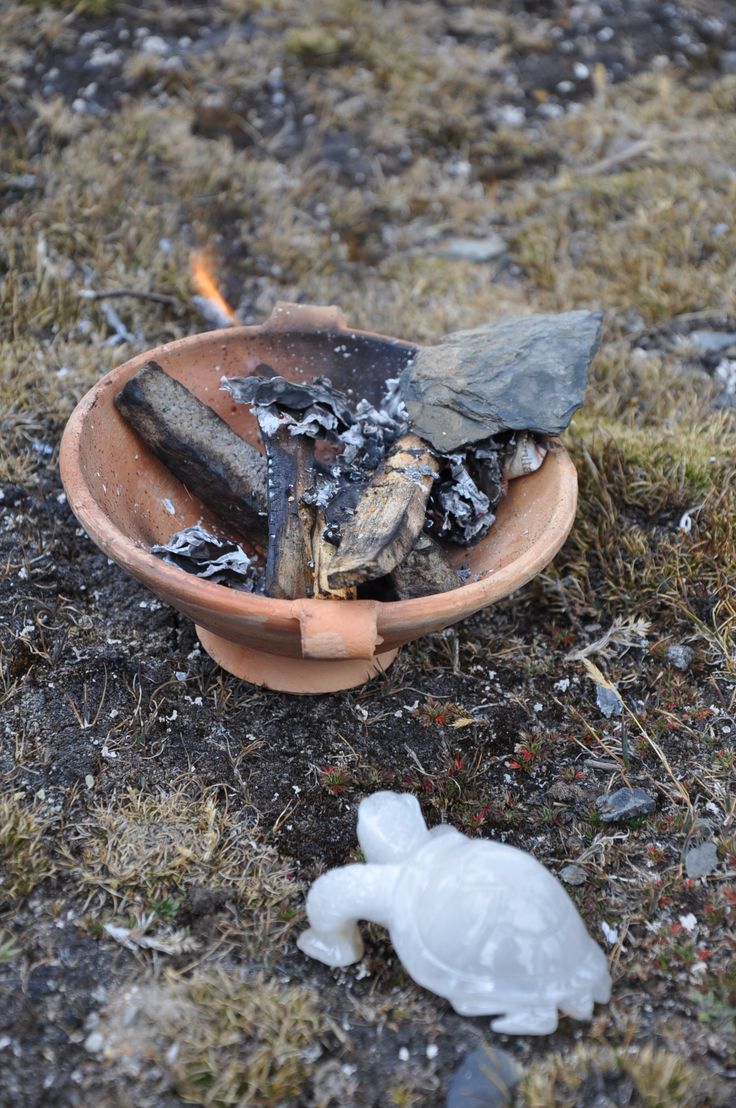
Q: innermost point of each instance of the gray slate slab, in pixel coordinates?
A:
(524, 373)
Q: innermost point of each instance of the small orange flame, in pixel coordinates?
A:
(206, 285)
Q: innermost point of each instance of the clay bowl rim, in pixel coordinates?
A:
(161, 577)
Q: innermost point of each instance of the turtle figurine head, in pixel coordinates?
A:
(390, 827)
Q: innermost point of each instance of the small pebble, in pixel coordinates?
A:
(94, 1042)
(625, 804)
(680, 656)
(485, 1079)
(473, 250)
(701, 860)
(608, 701)
(728, 62)
(573, 875)
(713, 342)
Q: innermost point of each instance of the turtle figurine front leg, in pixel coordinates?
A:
(335, 903)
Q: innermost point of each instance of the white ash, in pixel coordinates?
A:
(457, 508)
(196, 551)
(375, 429)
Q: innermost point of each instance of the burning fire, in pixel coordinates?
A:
(211, 301)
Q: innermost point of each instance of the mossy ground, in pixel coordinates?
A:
(160, 820)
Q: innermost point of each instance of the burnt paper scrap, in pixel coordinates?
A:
(524, 373)
(322, 407)
(197, 551)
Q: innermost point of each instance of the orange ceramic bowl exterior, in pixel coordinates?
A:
(127, 500)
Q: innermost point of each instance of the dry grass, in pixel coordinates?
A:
(147, 853)
(23, 857)
(657, 1079)
(219, 1039)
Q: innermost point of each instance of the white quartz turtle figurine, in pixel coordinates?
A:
(478, 922)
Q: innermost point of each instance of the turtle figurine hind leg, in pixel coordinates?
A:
(531, 1021)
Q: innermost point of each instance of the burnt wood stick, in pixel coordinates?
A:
(290, 523)
(223, 470)
(389, 515)
(425, 570)
(323, 554)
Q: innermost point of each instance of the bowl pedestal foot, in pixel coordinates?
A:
(303, 676)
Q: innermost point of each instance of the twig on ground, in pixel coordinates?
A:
(137, 294)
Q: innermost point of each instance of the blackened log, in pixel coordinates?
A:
(225, 472)
(425, 570)
(388, 517)
(290, 522)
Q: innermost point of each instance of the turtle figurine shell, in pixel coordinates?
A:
(483, 924)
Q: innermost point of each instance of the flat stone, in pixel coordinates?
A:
(485, 1079)
(472, 250)
(625, 804)
(680, 656)
(523, 373)
(608, 702)
(713, 342)
(701, 860)
(94, 1042)
(728, 62)
(573, 875)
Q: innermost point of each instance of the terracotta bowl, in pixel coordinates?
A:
(123, 497)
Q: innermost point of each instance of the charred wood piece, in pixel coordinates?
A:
(290, 523)
(424, 571)
(388, 517)
(291, 416)
(225, 472)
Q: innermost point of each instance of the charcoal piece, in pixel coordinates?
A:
(290, 523)
(485, 463)
(425, 570)
(388, 517)
(197, 551)
(292, 395)
(225, 472)
(525, 373)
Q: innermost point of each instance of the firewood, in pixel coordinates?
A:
(225, 472)
(424, 571)
(323, 554)
(290, 523)
(388, 517)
